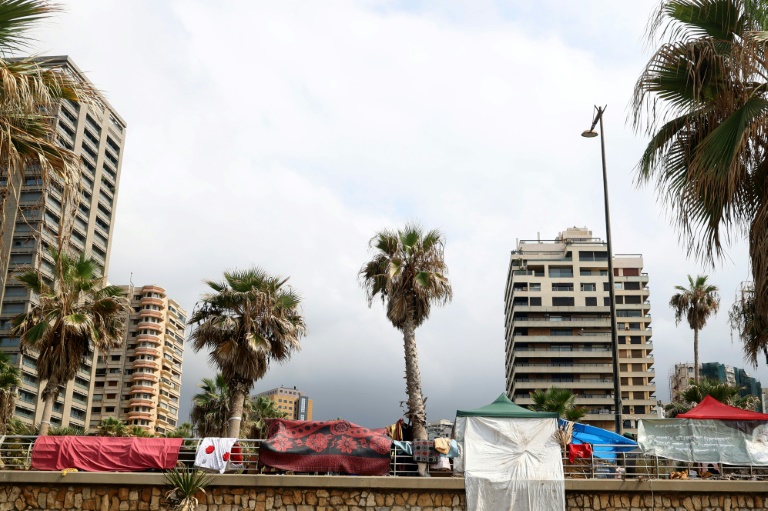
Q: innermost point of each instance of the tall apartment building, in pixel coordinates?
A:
(682, 375)
(558, 327)
(32, 218)
(294, 403)
(140, 382)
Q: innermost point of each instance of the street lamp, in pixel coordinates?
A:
(591, 133)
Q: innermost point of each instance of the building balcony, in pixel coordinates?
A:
(153, 289)
(145, 363)
(137, 401)
(144, 376)
(144, 313)
(154, 339)
(147, 351)
(151, 300)
(143, 389)
(140, 415)
(158, 327)
(560, 369)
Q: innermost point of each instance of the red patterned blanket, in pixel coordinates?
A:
(332, 446)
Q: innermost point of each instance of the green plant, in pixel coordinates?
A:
(185, 483)
(66, 431)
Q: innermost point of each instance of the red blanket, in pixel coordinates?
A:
(332, 446)
(105, 454)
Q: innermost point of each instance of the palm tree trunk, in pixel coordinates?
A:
(416, 412)
(236, 407)
(696, 355)
(49, 396)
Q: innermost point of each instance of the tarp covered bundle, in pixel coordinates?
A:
(605, 444)
(712, 432)
(105, 454)
(331, 446)
(510, 458)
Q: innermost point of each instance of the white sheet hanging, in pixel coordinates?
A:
(511, 464)
(215, 454)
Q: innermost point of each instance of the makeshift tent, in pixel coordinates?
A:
(510, 458)
(712, 432)
(711, 408)
(605, 444)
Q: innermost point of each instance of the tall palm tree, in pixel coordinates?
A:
(210, 408)
(9, 381)
(29, 96)
(76, 312)
(703, 99)
(561, 401)
(250, 319)
(409, 273)
(724, 392)
(696, 303)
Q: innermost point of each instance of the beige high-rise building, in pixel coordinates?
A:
(140, 383)
(32, 218)
(294, 403)
(558, 328)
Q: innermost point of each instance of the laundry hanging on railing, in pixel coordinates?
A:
(105, 454)
(218, 454)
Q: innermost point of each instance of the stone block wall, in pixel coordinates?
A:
(145, 492)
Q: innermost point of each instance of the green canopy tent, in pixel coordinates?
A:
(504, 407)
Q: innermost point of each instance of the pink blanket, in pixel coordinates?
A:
(105, 454)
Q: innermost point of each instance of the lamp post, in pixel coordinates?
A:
(591, 133)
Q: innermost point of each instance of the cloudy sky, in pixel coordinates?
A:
(285, 134)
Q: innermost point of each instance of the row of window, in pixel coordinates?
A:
(570, 301)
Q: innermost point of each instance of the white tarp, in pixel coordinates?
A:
(510, 464)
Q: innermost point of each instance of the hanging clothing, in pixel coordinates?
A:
(579, 451)
(218, 454)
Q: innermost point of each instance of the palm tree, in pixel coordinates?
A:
(703, 99)
(561, 401)
(263, 409)
(409, 273)
(184, 430)
(138, 432)
(696, 303)
(724, 392)
(9, 381)
(250, 319)
(210, 408)
(29, 97)
(76, 312)
(110, 426)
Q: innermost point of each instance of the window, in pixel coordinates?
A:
(607, 301)
(535, 301)
(562, 301)
(606, 286)
(632, 286)
(110, 409)
(535, 286)
(111, 384)
(561, 271)
(590, 301)
(562, 287)
(586, 255)
(588, 286)
(618, 285)
(560, 331)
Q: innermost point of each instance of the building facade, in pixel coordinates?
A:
(439, 429)
(140, 382)
(683, 374)
(32, 219)
(558, 327)
(294, 403)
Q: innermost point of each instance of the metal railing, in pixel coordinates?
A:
(16, 454)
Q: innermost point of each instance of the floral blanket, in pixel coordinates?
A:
(332, 446)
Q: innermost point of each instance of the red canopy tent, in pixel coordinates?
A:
(711, 408)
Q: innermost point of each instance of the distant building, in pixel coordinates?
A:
(558, 327)
(684, 373)
(439, 429)
(294, 403)
(140, 382)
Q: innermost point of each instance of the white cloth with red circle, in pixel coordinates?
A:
(218, 454)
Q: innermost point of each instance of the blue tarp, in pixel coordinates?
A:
(605, 444)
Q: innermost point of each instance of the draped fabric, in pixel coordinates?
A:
(331, 446)
(105, 454)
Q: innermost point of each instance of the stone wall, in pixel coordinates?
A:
(145, 492)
